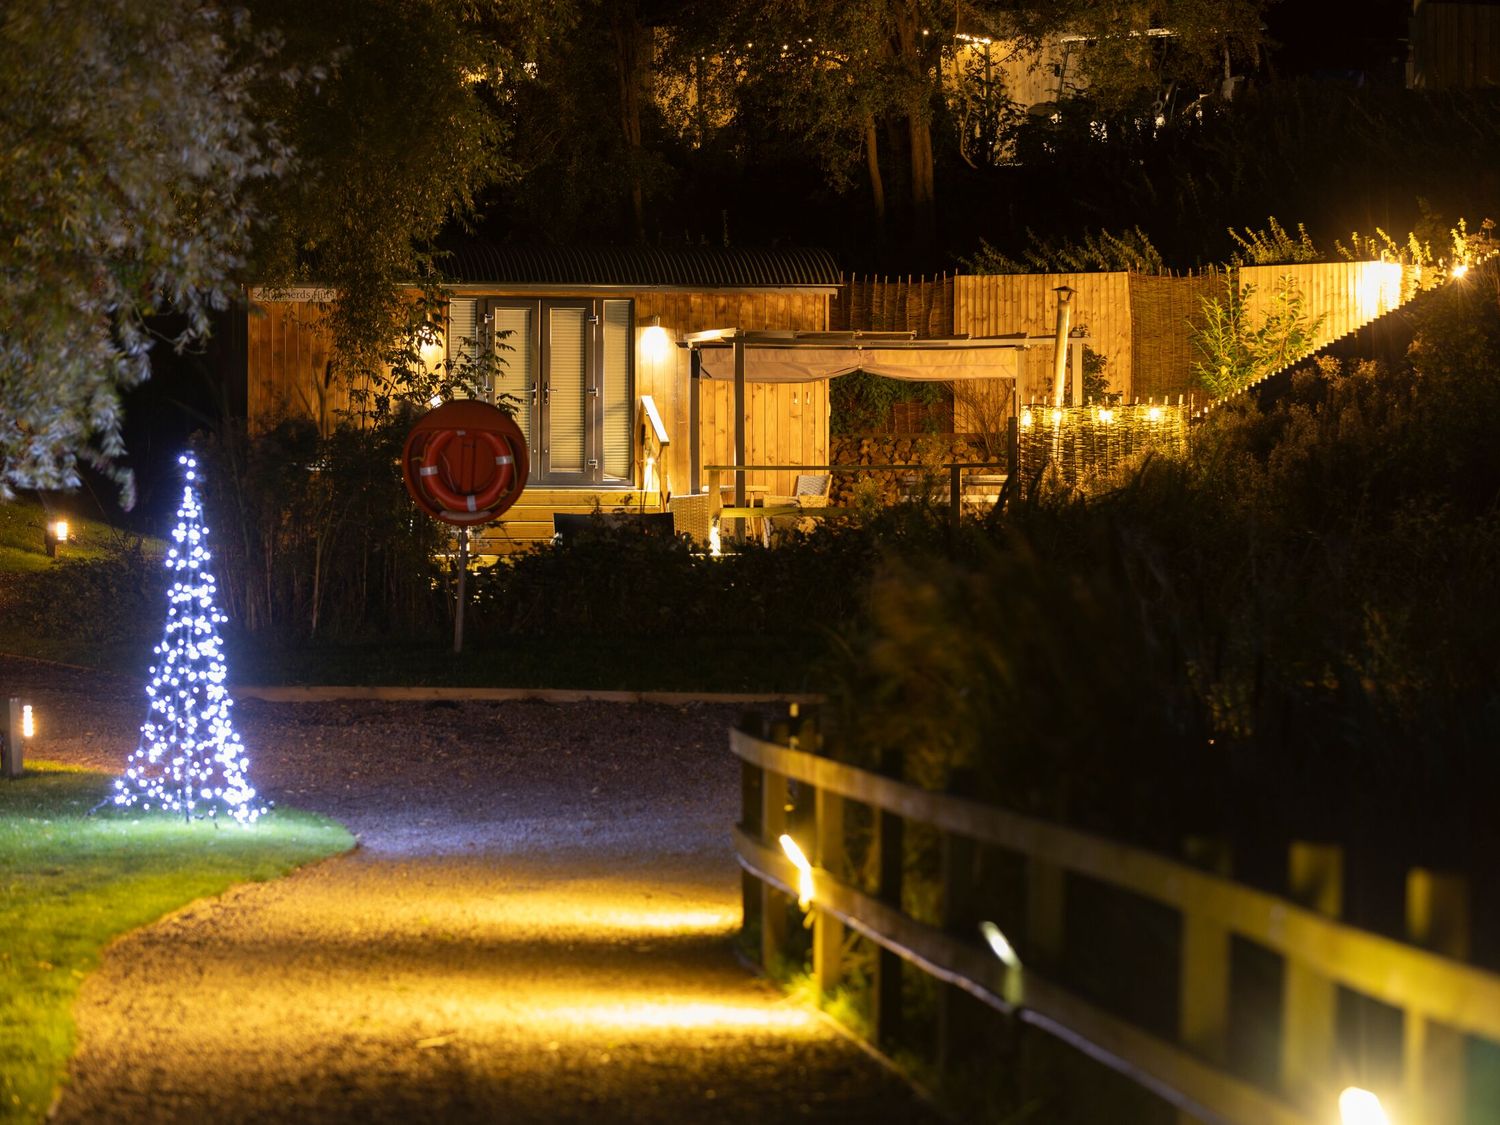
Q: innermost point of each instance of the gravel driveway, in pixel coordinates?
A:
(535, 928)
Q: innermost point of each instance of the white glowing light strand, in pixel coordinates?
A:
(190, 760)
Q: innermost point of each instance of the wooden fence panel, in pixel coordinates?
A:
(1347, 295)
(1000, 304)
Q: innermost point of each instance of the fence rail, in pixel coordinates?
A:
(1441, 999)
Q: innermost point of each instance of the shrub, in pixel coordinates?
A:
(1288, 629)
(316, 537)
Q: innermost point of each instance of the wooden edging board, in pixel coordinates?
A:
(393, 694)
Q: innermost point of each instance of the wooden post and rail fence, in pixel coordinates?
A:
(790, 788)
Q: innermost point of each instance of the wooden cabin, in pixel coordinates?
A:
(589, 336)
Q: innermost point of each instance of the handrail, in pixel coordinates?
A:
(1438, 995)
(1393, 972)
(1167, 1070)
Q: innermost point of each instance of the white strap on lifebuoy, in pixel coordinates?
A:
(427, 471)
(505, 459)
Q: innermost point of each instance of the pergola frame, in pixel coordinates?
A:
(842, 343)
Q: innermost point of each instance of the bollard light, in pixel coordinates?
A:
(28, 722)
(1000, 946)
(60, 531)
(1360, 1107)
(804, 870)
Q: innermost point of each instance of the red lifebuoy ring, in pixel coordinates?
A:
(430, 474)
(465, 462)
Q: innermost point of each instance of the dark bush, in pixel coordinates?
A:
(1287, 630)
(315, 536)
(117, 599)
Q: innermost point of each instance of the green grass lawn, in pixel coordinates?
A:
(69, 883)
(23, 526)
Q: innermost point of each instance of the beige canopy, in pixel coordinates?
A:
(785, 357)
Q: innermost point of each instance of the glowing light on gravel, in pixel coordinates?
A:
(619, 910)
(686, 1015)
(189, 760)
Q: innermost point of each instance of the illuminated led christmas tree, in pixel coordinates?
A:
(190, 760)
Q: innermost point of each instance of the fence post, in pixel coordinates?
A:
(1437, 918)
(1046, 899)
(828, 929)
(960, 1031)
(752, 783)
(955, 497)
(13, 749)
(1203, 1001)
(1315, 879)
(773, 903)
(890, 846)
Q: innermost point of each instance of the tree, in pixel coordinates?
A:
(128, 154)
(840, 76)
(398, 129)
(190, 760)
(1146, 49)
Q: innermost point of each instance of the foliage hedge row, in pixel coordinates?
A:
(1289, 630)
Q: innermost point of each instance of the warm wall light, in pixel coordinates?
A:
(804, 870)
(656, 342)
(1360, 1107)
(28, 722)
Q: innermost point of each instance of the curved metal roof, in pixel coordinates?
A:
(643, 267)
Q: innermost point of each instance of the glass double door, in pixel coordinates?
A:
(566, 367)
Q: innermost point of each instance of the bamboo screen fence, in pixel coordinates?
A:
(883, 304)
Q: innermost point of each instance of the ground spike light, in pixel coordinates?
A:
(190, 760)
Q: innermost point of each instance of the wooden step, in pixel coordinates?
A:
(529, 520)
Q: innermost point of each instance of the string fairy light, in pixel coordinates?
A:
(190, 760)
(1084, 442)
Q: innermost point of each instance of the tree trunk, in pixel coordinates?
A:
(877, 185)
(632, 58)
(923, 186)
(909, 52)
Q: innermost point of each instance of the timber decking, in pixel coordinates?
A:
(530, 520)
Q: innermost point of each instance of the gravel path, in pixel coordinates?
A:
(535, 928)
